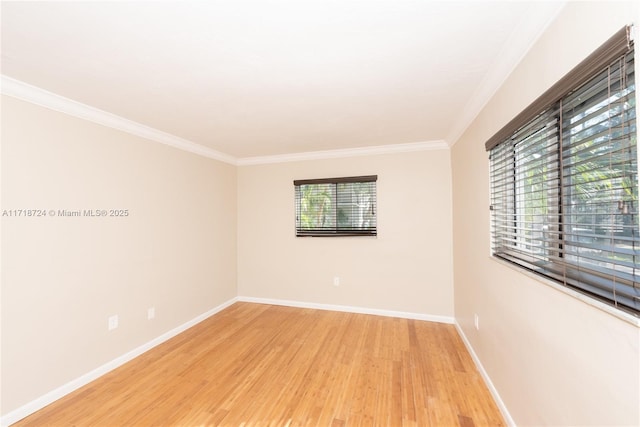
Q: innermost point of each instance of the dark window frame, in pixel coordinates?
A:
(333, 192)
(520, 183)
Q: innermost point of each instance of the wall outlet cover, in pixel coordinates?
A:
(113, 322)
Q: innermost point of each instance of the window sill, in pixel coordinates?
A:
(622, 315)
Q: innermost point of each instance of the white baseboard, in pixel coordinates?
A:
(492, 389)
(39, 403)
(350, 309)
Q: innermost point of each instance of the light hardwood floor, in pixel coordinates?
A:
(262, 365)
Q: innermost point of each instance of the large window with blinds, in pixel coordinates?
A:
(564, 181)
(336, 206)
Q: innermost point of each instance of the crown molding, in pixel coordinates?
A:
(520, 41)
(35, 95)
(346, 152)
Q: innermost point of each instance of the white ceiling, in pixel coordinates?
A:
(263, 78)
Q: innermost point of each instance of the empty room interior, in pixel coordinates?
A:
(319, 213)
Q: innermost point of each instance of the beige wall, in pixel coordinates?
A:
(553, 359)
(406, 268)
(63, 277)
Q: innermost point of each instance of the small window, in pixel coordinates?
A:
(336, 206)
(564, 181)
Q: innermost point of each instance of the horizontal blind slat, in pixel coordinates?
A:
(564, 190)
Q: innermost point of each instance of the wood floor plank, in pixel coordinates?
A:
(262, 365)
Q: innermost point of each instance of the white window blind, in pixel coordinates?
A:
(564, 188)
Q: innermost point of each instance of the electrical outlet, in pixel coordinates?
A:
(151, 313)
(113, 322)
(336, 281)
(476, 321)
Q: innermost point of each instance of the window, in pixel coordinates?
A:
(336, 206)
(564, 181)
